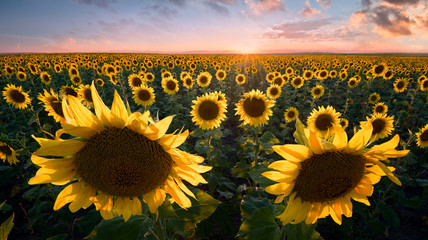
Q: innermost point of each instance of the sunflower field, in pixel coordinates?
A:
(149, 146)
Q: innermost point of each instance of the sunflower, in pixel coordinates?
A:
(220, 75)
(240, 79)
(21, 76)
(380, 108)
(144, 96)
(321, 177)
(113, 78)
(422, 137)
(76, 79)
(135, 81)
(379, 70)
(170, 85)
(166, 74)
(16, 97)
(99, 82)
(333, 73)
(388, 75)
(52, 105)
(274, 91)
(278, 80)
(317, 91)
(68, 91)
(220, 96)
(297, 82)
(204, 79)
(353, 82)
(188, 82)
(322, 74)
(150, 77)
(400, 85)
(57, 68)
(7, 153)
(382, 125)
(323, 120)
(291, 114)
(254, 109)
(116, 157)
(308, 75)
(424, 85)
(207, 111)
(85, 95)
(45, 78)
(72, 71)
(270, 76)
(374, 98)
(343, 122)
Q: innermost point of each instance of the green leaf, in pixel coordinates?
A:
(422, 182)
(258, 178)
(250, 204)
(299, 134)
(62, 236)
(116, 228)
(261, 225)
(6, 227)
(166, 210)
(388, 214)
(201, 208)
(269, 138)
(301, 231)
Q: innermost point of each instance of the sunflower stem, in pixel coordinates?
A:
(257, 148)
(160, 229)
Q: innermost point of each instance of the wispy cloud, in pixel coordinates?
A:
(308, 12)
(98, 3)
(258, 7)
(217, 7)
(324, 3)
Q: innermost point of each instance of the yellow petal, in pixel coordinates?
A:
(360, 139)
(84, 132)
(388, 172)
(313, 213)
(280, 188)
(67, 195)
(137, 208)
(41, 161)
(177, 194)
(279, 199)
(119, 115)
(172, 141)
(154, 199)
(184, 188)
(293, 152)
(336, 216)
(62, 175)
(315, 144)
(359, 198)
(302, 213)
(188, 174)
(82, 199)
(163, 125)
(340, 137)
(290, 212)
(283, 166)
(82, 115)
(58, 147)
(391, 144)
(277, 176)
(101, 110)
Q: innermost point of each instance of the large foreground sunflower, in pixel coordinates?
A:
(116, 158)
(7, 153)
(322, 121)
(254, 109)
(208, 111)
(322, 177)
(422, 137)
(16, 97)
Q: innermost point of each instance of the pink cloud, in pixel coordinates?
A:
(357, 20)
(324, 3)
(258, 7)
(308, 12)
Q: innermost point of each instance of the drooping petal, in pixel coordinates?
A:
(154, 199)
(293, 152)
(173, 141)
(58, 148)
(280, 188)
(360, 139)
(315, 144)
(68, 194)
(179, 197)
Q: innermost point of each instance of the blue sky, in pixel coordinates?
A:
(260, 26)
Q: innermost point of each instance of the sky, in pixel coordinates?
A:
(214, 26)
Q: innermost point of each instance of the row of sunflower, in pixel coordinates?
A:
(123, 161)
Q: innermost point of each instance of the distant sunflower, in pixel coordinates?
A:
(343, 76)
(166, 74)
(278, 80)
(317, 91)
(99, 82)
(117, 158)
(321, 177)
(388, 75)
(220, 96)
(308, 75)
(374, 98)
(380, 108)
(188, 82)
(322, 121)
(7, 153)
(135, 81)
(270, 76)
(21, 76)
(208, 112)
(16, 97)
(382, 125)
(343, 122)
(45, 78)
(52, 105)
(379, 70)
(323, 74)
(76, 80)
(72, 71)
(57, 68)
(400, 85)
(144, 96)
(150, 77)
(424, 85)
(352, 82)
(297, 82)
(333, 73)
(254, 109)
(274, 91)
(291, 114)
(68, 91)
(240, 79)
(204, 79)
(170, 85)
(422, 137)
(113, 78)
(85, 95)
(220, 75)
